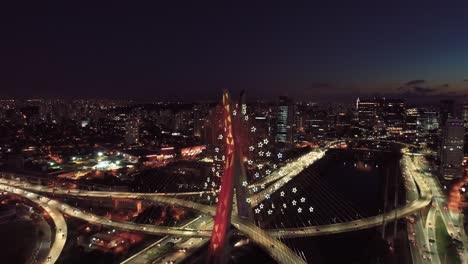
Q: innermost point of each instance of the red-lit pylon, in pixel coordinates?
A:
(216, 252)
(234, 173)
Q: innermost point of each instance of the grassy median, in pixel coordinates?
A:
(445, 248)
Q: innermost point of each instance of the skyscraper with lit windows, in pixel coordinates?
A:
(285, 121)
(451, 149)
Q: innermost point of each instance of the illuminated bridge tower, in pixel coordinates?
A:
(244, 209)
(233, 177)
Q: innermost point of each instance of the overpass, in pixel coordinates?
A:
(422, 201)
(277, 250)
(57, 218)
(274, 247)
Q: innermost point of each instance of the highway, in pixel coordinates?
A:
(416, 231)
(286, 174)
(100, 220)
(364, 223)
(201, 222)
(265, 239)
(184, 248)
(451, 218)
(413, 206)
(291, 168)
(430, 228)
(57, 218)
(278, 251)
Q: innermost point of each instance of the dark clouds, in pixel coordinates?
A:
(423, 90)
(420, 88)
(415, 82)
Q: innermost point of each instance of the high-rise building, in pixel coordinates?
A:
(132, 130)
(446, 111)
(393, 115)
(200, 111)
(451, 149)
(286, 125)
(411, 122)
(317, 123)
(428, 120)
(465, 114)
(367, 112)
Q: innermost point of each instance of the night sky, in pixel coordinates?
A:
(190, 50)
